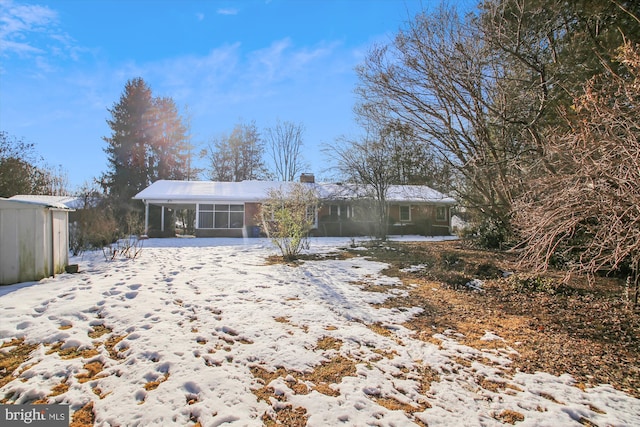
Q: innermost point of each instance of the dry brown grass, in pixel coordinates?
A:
(510, 417)
(585, 330)
(393, 404)
(72, 352)
(380, 330)
(320, 379)
(14, 353)
(98, 331)
(287, 416)
(152, 385)
(328, 343)
(323, 376)
(59, 389)
(110, 346)
(92, 371)
(278, 259)
(83, 417)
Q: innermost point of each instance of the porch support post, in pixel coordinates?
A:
(162, 220)
(146, 218)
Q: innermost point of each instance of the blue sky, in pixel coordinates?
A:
(63, 63)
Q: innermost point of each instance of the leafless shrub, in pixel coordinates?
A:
(94, 228)
(130, 245)
(588, 213)
(287, 216)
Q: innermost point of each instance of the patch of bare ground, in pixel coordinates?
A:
(13, 354)
(92, 369)
(320, 379)
(393, 404)
(59, 389)
(286, 416)
(328, 343)
(83, 417)
(154, 384)
(98, 331)
(111, 344)
(509, 417)
(279, 259)
(586, 330)
(71, 352)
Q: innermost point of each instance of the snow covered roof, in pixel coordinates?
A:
(57, 202)
(395, 193)
(54, 201)
(168, 192)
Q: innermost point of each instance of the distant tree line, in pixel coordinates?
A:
(23, 171)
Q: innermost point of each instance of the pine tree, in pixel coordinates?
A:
(148, 142)
(170, 149)
(128, 144)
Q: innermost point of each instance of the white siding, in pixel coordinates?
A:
(29, 250)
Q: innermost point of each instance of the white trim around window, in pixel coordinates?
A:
(219, 216)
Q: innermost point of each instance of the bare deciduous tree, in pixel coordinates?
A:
(236, 157)
(588, 212)
(440, 78)
(367, 162)
(284, 142)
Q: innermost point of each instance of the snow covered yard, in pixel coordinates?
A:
(206, 331)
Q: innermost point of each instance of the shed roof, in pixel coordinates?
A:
(53, 201)
(30, 203)
(175, 192)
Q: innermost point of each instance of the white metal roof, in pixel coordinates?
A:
(176, 192)
(17, 203)
(53, 201)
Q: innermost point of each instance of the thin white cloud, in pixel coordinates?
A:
(32, 32)
(227, 11)
(200, 16)
(19, 21)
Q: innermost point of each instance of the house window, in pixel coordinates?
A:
(205, 217)
(405, 213)
(312, 215)
(441, 213)
(221, 216)
(340, 211)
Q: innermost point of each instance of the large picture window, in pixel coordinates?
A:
(441, 213)
(221, 216)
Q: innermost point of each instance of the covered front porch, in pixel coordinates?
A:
(205, 219)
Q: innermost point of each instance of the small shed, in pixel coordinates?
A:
(34, 240)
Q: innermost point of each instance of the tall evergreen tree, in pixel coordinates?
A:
(170, 146)
(128, 145)
(148, 142)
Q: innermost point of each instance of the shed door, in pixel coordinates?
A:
(60, 254)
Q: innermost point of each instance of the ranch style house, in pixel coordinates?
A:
(230, 209)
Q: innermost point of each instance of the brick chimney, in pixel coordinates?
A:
(307, 177)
